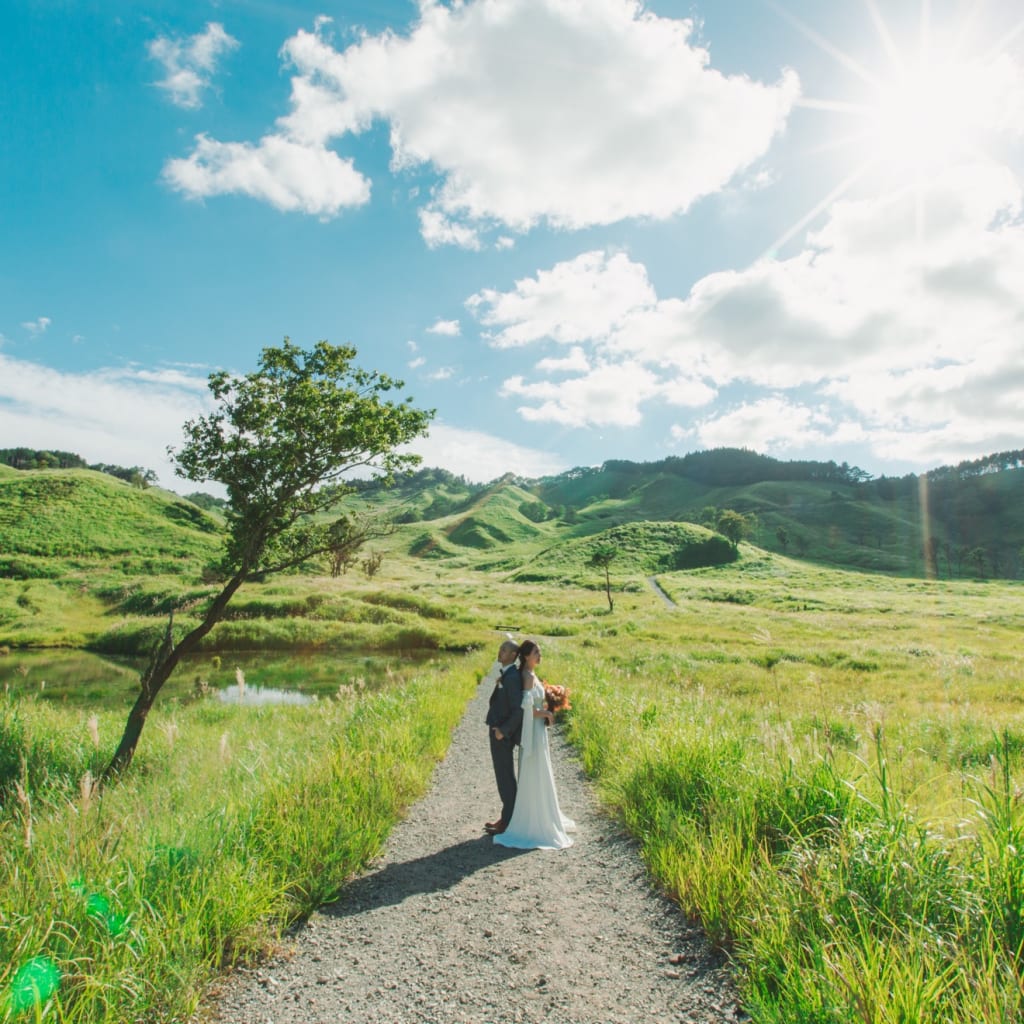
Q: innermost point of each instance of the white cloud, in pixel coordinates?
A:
(189, 64)
(774, 424)
(481, 457)
(901, 312)
(438, 229)
(575, 361)
(448, 328)
(37, 327)
(444, 373)
(580, 299)
(415, 364)
(126, 417)
(576, 114)
(288, 175)
(607, 395)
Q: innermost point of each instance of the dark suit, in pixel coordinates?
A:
(505, 712)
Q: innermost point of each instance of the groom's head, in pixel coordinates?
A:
(508, 652)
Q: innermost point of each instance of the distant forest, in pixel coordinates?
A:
(33, 458)
(734, 467)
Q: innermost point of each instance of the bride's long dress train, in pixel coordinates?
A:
(537, 821)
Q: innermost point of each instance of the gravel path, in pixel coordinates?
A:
(447, 927)
(656, 587)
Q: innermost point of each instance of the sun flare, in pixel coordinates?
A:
(923, 100)
(928, 116)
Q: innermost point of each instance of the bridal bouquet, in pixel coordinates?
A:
(556, 698)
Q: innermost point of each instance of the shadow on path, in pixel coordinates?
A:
(394, 883)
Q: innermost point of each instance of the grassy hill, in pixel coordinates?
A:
(55, 520)
(79, 549)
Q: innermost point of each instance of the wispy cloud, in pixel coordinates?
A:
(38, 326)
(481, 457)
(447, 328)
(124, 416)
(190, 64)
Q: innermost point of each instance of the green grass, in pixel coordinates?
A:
(822, 766)
(834, 791)
(234, 823)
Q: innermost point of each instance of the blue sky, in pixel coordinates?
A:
(579, 229)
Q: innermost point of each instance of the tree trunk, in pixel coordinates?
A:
(164, 661)
(608, 588)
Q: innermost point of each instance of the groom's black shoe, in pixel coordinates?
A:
(495, 828)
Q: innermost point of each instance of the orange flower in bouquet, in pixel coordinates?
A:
(556, 698)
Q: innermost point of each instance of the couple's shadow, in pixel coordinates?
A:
(435, 872)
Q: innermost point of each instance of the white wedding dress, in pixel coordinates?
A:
(537, 821)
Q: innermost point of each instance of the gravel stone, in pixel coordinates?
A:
(447, 928)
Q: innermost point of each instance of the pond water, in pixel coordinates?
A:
(83, 679)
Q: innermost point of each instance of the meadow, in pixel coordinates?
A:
(822, 766)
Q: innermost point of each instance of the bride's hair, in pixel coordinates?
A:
(526, 648)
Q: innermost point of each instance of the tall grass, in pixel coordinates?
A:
(233, 823)
(846, 881)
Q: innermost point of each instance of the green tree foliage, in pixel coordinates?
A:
(208, 502)
(31, 458)
(602, 558)
(535, 511)
(732, 525)
(279, 441)
(714, 550)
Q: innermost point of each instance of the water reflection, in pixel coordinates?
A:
(258, 695)
(83, 679)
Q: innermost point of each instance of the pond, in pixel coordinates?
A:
(83, 679)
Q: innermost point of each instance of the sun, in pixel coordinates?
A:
(933, 99)
(928, 115)
(936, 111)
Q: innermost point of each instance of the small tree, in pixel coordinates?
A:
(279, 441)
(342, 559)
(731, 525)
(372, 563)
(602, 558)
(782, 536)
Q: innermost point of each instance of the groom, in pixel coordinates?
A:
(505, 722)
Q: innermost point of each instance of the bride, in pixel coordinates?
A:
(537, 821)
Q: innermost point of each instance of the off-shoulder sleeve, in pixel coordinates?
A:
(526, 743)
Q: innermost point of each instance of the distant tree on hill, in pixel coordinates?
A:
(279, 441)
(134, 475)
(31, 458)
(535, 511)
(732, 525)
(602, 558)
(371, 564)
(207, 501)
(782, 537)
